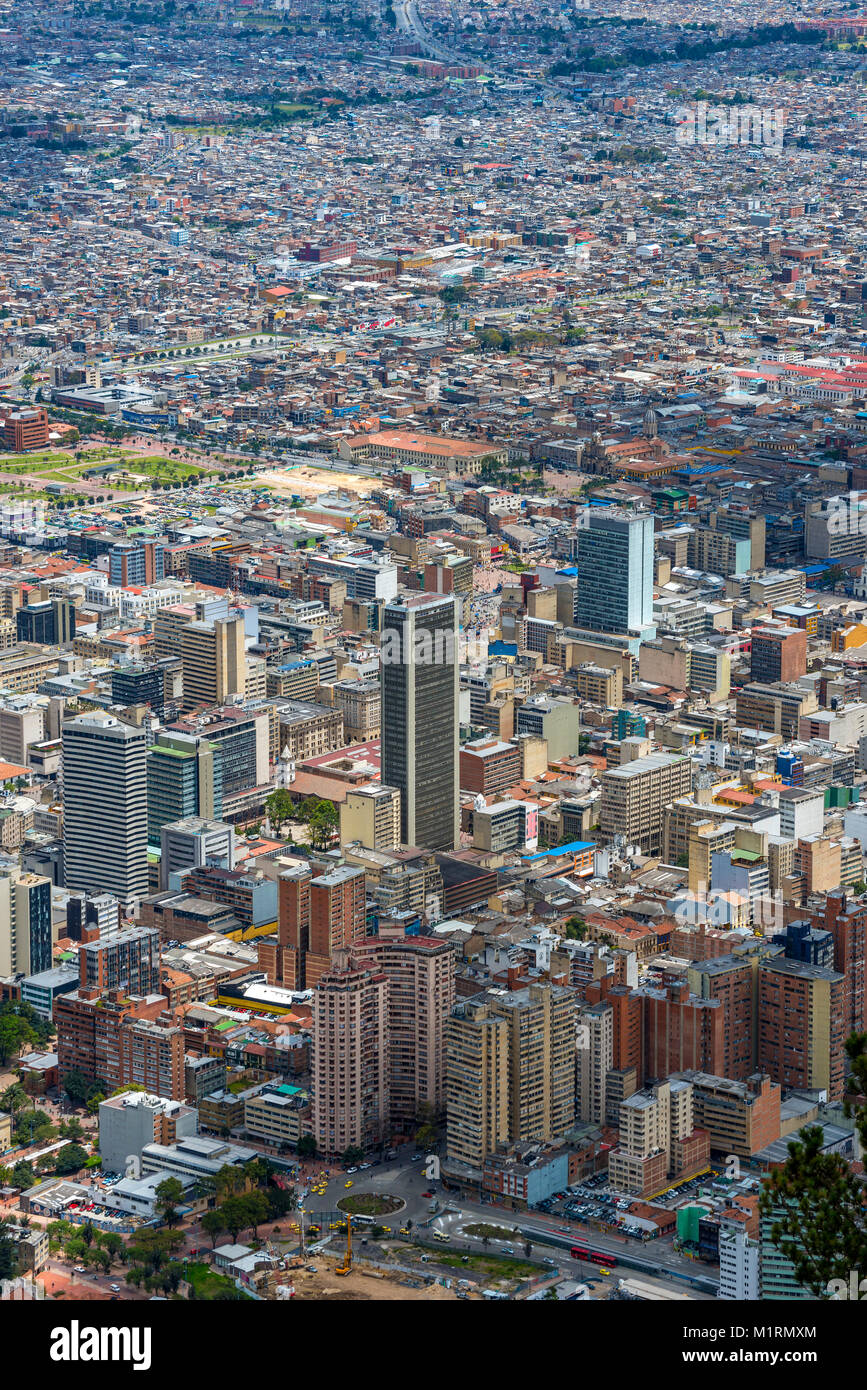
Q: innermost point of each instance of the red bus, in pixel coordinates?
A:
(583, 1252)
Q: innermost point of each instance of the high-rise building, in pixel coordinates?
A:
(370, 816)
(22, 723)
(846, 919)
(681, 1031)
(214, 661)
(286, 964)
(738, 1259)
(105, 806)
(50, 624)
(733, 980)
(513, 1081)
(127, 959)
(477, 1082)
(316, 918)
(614, 557)
(421, 991)
(741, 1117)
(420, 722)
(136, 562)
(556, 721)
(778, 653)
(800, 1025)
(193, 843)
(25, 922)
(128, 1122)
(115, 1039)
(658, 1140)
(635, 795)
(595, 1061)
(184, 778)
(350, 1056)
(337, 918)
(138, 685)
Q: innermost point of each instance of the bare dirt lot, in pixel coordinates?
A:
(312, 482)
(359, 1286)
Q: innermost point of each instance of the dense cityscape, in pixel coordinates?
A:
(433, 656)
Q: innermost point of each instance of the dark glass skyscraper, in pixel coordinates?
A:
(420, 716)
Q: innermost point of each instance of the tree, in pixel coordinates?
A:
(255, 1205)
(169, 1193)
(213, 1223)
(818, 1217)
(856, 1086)
(306, 1146)
(279, 807)
(425, 1137)
(8, 1254)
(151, 1248)
(112, 1244)
(23, 1175)
(234, 1215)
(352, 1156)
(70, 1159)
(229, 1181)
(76, 1086)
(322, 823)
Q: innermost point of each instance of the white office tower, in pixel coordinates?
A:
(738, 1261)
(105, 807)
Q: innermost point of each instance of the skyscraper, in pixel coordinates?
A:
(317, 917)
(350, 1056)
(510, 1071)
(420, 717)
(184, 778)
(25, 922)
(614, 554)
(105, 806)
(214, 661)
(421, 993)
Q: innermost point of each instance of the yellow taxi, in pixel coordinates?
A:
(347, 1184)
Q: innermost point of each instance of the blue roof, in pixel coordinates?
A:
(575, 847)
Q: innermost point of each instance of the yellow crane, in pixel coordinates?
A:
(347, 1259)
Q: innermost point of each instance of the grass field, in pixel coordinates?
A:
(208, 1286)
(492, 1266)
(58, 466)
(481, 1229)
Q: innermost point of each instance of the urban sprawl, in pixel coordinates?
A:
(433, 651)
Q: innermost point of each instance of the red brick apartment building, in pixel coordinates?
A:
(489, 766)
(26, 429)
(115, 1039)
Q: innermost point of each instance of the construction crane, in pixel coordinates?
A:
(347, 1259)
